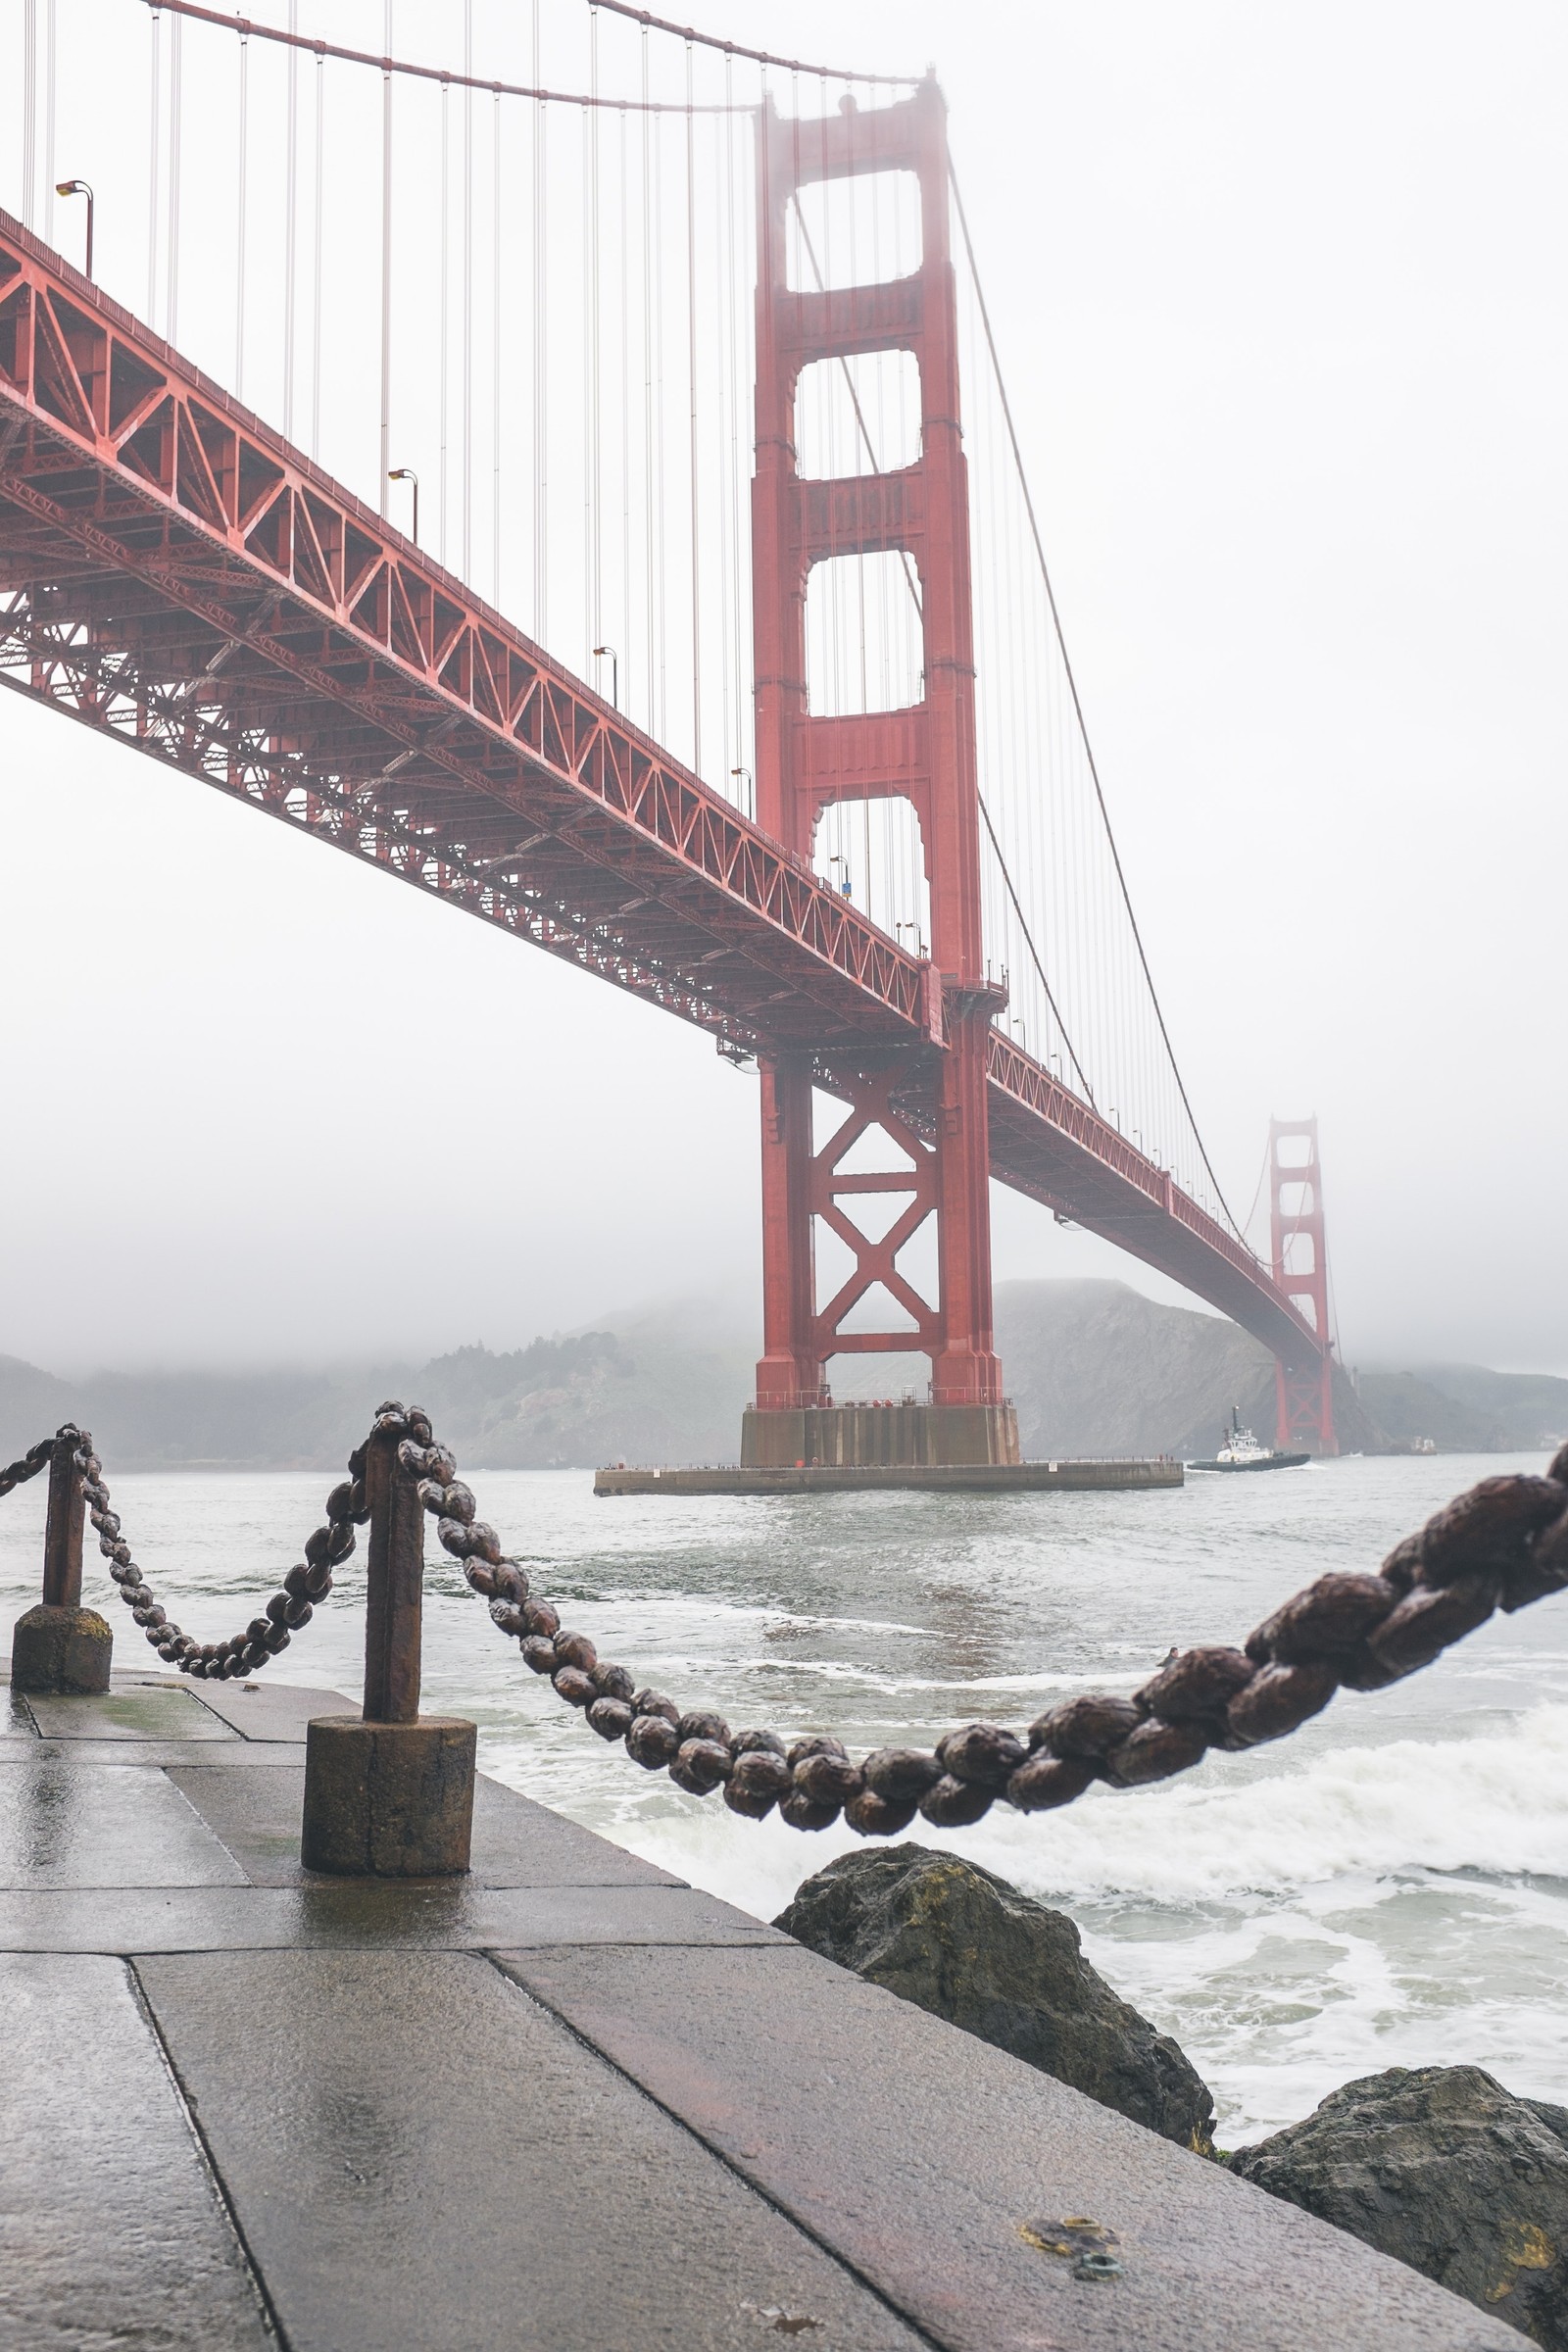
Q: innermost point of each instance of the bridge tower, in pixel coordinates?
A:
(807, 762)
(1305, 1389)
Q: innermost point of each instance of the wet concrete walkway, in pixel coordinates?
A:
(566, 2104)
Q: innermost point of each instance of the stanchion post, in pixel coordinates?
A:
(394, 1588)
(389, 1793)
(59, 1646)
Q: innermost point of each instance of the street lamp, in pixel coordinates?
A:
(845, 891)
(79, 188)
(406, 474)
(736, 774)
(607, 653)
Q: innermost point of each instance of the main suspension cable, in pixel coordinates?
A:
(1073, 688)
(389, 65)
(760, 57)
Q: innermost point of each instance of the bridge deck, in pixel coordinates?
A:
(565, 2103)
(175, 573)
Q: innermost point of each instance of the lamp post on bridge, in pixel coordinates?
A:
(607, 653)
(79, 188)
(406, 474)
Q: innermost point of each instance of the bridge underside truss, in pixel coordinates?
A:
(174, 574)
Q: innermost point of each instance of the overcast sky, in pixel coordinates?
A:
(1282, 303)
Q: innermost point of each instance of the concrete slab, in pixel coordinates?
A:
(352, 1914)
(111, 2233)
(263, 1710)
(149, 1711)
(921, 2155)
(66, 1823)
(515, 1842)
(426, 2158)
(156, 1754)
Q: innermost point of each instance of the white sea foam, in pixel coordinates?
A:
(1498, 1802)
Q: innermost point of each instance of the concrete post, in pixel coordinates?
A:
(389, 1794)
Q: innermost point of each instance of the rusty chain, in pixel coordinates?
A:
(1501, 1544)
(291, 1606)
(37, 1457)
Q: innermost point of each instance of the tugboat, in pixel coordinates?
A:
(1240, 1451)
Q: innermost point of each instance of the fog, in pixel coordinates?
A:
(1282, 307)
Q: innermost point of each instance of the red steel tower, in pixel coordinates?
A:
(1305, 1390)
(924, 753)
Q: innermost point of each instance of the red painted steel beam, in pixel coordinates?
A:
(262, 592)
(174, 575)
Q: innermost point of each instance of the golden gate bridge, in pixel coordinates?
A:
(680, 351)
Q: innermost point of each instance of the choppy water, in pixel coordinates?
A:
(1388, 1887)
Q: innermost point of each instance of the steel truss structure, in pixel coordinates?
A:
(174, 574)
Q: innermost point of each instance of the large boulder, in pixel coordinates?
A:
(970, 1948)
(1442, 2168)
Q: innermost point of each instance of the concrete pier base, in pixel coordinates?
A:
(859, 1436)
(61, 1650)
(931, 1478)
(388, 1800)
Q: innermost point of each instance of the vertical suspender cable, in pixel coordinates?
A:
(585, 407)
(735, 306)
(720, 442)
(660, 439)
(691, 385)
(315, 259)
(29, 108)
(595, 289)
(243, 169)
(650, 706)
(291, 181)
(153, 137)
(467, 292)
(721, 454)
(593, 415)
(50, 84)
(626, 420)
(495, 349)
(172, 292)
(383, 484)
(541, 445)
(444, 356)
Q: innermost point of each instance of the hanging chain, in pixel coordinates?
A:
(290, 1608)
(1501, 1544)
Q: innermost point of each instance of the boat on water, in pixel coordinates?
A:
(1240, 1451)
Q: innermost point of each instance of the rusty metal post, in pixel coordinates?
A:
(62, 1529)
(59, 1645)
(394, 1594)
(389, 1793)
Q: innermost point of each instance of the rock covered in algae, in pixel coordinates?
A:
(1444, 2168)
(969, 1948)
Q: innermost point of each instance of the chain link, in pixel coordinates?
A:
(37, 1457)
(289, 1608)
(1501, 1544)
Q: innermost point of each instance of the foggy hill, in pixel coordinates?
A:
(1094, 1368)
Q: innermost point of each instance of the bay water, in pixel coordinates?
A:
(1387, 1888)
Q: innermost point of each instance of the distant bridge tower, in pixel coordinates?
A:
(1305, 1389)
(925, 754)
